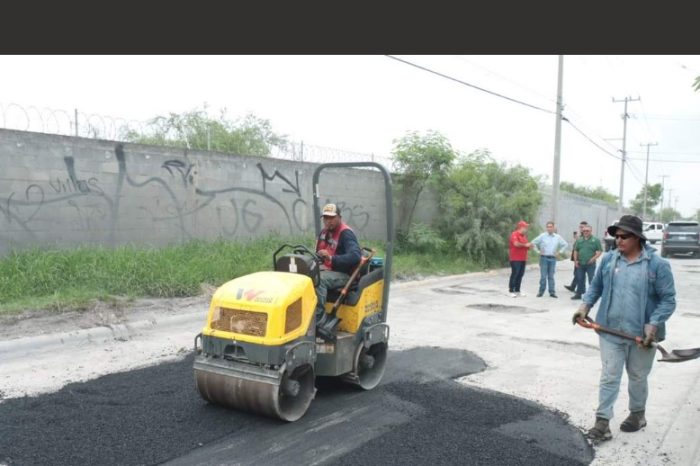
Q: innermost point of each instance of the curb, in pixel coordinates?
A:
(27, 346)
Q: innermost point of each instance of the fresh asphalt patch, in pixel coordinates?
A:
(417, 415)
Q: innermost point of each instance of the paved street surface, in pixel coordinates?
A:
(463, 328)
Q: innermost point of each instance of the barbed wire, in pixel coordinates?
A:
(96, 126)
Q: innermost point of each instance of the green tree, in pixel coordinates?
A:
(419, 159)
(696, 84)
(482, 201)
(196, 130)
(654, 193)
(597, 193)
(668, 214)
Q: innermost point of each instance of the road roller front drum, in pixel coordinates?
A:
(285, 397)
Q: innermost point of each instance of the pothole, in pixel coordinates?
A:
(490, 307)
(450, 291)
(463, 289)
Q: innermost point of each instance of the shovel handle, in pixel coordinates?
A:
(363, 260)
(589, 323)
(673, 356)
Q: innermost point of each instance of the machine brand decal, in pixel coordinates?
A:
(250, 295)
(254, 295)
(371, 307)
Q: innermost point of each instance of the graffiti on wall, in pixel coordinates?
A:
(173, 201)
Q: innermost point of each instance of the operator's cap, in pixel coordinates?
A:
(330, 210)
(523, 223)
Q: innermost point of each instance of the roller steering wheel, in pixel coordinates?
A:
(301, 249)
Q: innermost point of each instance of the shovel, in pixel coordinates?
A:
(326, 327)
(679, 355)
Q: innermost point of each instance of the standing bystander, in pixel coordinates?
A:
(586, 252)
(577, 235)
(549, 245)
(519, 246)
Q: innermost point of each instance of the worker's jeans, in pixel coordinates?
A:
(637, 361)
(581, 272)
(330, 280)
(547, 266)
(517, 270)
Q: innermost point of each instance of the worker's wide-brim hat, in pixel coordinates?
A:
(629, 223)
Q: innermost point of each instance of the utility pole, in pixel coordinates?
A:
(646, 179)
(670, 190)
(661, 204)
(625, 116)
(557, 142)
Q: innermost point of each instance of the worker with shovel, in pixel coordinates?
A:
(637, 296)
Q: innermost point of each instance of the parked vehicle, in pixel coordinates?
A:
(654, 231)
(681, 237)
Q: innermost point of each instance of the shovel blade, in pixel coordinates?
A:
(680, 355)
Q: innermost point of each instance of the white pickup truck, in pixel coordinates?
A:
(654, 231)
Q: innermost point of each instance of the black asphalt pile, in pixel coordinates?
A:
(417, 416)
(472, 427)
(144, 416)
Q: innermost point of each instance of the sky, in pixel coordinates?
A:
(362, 103)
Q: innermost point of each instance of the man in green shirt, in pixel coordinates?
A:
(587, 249)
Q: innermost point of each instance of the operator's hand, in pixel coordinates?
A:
(580, 313)
(649, 335)
(325, 255)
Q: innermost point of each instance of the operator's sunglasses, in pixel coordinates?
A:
(622, 236)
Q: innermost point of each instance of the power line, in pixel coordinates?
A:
(633, 171)
(461, 58)
(591, 140)
(663, 152)
(674, 118)
(470, 85)
(664, 160)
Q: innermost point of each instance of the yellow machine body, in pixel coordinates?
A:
(263, 308)
(370, 302)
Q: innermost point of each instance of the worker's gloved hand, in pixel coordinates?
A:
(580, 313)
(649, 334)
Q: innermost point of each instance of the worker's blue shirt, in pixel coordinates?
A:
(548, 245)
(628, 280)
(633, 293)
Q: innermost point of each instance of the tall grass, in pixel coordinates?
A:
(73, 278)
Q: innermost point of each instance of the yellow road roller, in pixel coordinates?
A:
(260, 349)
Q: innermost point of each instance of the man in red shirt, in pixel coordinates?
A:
(519, 246)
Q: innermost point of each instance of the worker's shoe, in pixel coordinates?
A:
(576, 296)
(569, 287)
(634, 422)
(539, 295)
(600, 431)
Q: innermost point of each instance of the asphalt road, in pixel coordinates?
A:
(418, 415)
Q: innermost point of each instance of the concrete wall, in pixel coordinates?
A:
(573, 209)
(61, 191)
(66, 191)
